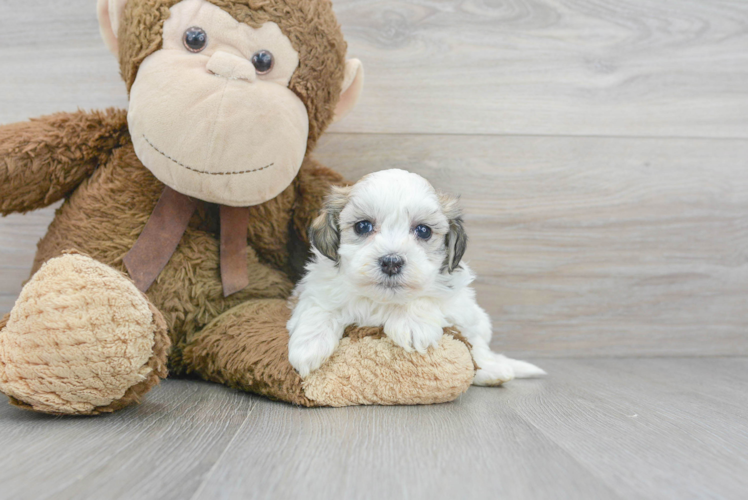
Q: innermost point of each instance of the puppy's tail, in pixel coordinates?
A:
(523, 369)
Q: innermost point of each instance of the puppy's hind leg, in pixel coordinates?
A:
(495, 369)
(523, 369)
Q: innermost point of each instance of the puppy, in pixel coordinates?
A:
(387, 252)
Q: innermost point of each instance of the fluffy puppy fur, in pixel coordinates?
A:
(387, 252)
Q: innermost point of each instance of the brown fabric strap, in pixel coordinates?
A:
(234, 229)
(159, 240)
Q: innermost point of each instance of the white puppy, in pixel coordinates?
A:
(387, 252)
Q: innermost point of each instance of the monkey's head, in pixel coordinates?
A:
(228, 96)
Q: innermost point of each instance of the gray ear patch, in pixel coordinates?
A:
(456, 239)
(324, 233)
(456, 242)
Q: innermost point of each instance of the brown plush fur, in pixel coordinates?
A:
(385, 374)
(133, 395)
(88, 159)
(81, 340)
(105, 215)
(43, 160)
(309, 24)
(242, 349)
(356, 333)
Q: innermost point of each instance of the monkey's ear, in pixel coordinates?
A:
(456, 239)
(324, 233)
(110, 15)
(353, 84)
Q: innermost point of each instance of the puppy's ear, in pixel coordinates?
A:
(456, 239)
(324, 232)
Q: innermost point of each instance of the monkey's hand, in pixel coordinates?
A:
(45, 159)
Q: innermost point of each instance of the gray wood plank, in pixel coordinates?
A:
(631, 433)
(726, 383)
(53, 59)
(474, 448)
(594, 428)
(644, 438)
(161, 449)
(580, 67)
(18, 237)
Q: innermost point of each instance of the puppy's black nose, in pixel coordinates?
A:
(392, 265)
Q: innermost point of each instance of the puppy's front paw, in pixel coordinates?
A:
(308, 353)
(413, 335)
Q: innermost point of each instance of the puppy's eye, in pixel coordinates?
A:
(423, 232)
(195, 39)
(363, 228)
(263, 62)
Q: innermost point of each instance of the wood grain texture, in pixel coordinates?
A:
(160, 449)
(52, 59)
(536, 67)
(570, 67)
(477, 447)
(594, 429)
(643, 437)
(18, 237)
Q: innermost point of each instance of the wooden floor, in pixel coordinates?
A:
(605, 428)
(601, 151)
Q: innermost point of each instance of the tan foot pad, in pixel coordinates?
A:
(81, 339)
(372, 370)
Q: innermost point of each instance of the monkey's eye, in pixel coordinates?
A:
(363, 228)
(423, 232)
(195, 39)
(263, 62)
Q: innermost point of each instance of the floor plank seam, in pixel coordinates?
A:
(610, 487)
(207, 477)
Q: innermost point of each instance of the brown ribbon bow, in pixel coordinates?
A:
(164, 230)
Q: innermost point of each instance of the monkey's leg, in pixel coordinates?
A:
(247, 348)
(82, 340)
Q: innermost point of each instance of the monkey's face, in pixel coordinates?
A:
(211, 114)
(222, 108)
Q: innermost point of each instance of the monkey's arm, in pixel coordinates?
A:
(44, 159)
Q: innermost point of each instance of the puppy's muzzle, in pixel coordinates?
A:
(391, 265)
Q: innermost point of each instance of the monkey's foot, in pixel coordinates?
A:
(81, 339)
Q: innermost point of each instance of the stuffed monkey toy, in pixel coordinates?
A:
(184, 222)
